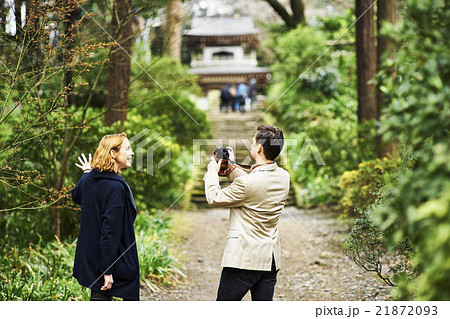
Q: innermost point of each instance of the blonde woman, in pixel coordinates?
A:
(106, 259)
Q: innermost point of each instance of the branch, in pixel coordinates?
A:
(282, 12)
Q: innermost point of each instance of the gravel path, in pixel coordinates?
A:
(313, 264)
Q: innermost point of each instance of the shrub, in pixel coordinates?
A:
(366, 247)
(362, 187)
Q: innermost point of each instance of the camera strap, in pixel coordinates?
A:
(244, 166)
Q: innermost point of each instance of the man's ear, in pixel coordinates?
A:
(259, 148)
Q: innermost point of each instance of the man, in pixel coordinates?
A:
(225, 98)
(252, 254)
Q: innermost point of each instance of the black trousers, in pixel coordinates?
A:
(101, 296)
(235, 283)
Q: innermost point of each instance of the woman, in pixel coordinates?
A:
(106, 259)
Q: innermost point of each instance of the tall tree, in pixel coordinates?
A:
(119, 65)
(173, 28)
(385, 49)
(292, 20)
(365, 60)
(18, 19)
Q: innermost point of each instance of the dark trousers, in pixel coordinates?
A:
(235, 283)
(101, 296)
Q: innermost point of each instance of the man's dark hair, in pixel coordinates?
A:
(272, 140)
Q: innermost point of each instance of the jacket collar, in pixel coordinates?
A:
(107, 175)
(114, 176)
(266, 167)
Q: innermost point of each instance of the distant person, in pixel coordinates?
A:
(106, 259)
(252, 90)
(225, 98)
(233, 92)
(252, 255)
(241, 96)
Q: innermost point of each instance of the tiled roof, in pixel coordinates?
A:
(221, 26)
(245, 70)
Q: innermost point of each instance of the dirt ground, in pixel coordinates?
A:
(313, 267)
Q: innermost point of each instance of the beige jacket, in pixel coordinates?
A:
(256, 201)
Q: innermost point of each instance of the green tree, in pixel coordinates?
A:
(418, 115)
(39, 128)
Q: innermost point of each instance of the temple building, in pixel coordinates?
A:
(223, 50)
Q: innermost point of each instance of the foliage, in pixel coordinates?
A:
(44, 271)
(362, 187)
(42, 134)
(155, 263)
(314, 99)
(39, 127)
(155, 109)
(418, 117)
(365, 246)
(338, 26)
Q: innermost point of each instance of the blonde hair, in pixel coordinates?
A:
(103, 160)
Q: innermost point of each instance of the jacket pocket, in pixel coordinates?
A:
(125, 270)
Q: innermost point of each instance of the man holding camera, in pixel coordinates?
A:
(252, 253)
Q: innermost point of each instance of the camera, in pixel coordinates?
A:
(222, 153)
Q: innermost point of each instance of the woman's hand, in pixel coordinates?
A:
(108, 282)
(85, 164)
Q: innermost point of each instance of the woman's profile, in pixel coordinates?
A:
(106, 259)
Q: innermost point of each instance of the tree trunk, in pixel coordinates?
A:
(119, 63)
(385, 50)
(2, 20)
(298, 12)
(365, 60)
(173, 30)
(18, 18)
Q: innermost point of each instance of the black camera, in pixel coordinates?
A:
(222, 153)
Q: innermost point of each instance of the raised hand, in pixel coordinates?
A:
(85, 163)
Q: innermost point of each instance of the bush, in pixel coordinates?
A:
(361, 188)
(366, 247)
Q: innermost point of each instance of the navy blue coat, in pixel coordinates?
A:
(106, 240)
